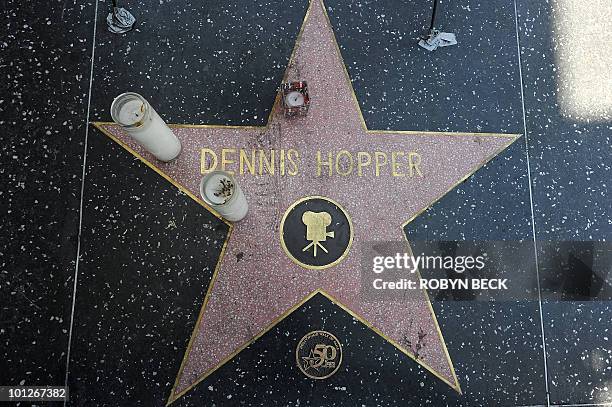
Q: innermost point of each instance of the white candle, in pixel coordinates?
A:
(132, 112)
(220, 190)
(294, 99)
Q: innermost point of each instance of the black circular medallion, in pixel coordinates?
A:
(316, 232)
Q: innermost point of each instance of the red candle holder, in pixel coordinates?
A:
(295, 98)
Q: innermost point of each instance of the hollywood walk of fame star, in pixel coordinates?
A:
(255, 284)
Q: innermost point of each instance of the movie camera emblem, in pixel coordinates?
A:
(318, 354)
(316, 232)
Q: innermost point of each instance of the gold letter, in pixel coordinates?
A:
(395, 165)
(361, 163)
(338, 167)
(414, 165)
(328, 163)
(282, 162)
(244, 159)
(213, 165)
(224, 160)
(377, 157)
(269, 163)
(292, 163)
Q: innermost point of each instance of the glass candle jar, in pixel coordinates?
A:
(138, 119)
(220, 190)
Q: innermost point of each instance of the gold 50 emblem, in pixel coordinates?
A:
(318, 354)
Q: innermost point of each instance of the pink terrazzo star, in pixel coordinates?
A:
(247, 297)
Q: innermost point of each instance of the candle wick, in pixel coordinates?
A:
(225, 189)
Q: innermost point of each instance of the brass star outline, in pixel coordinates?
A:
(456, 386)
